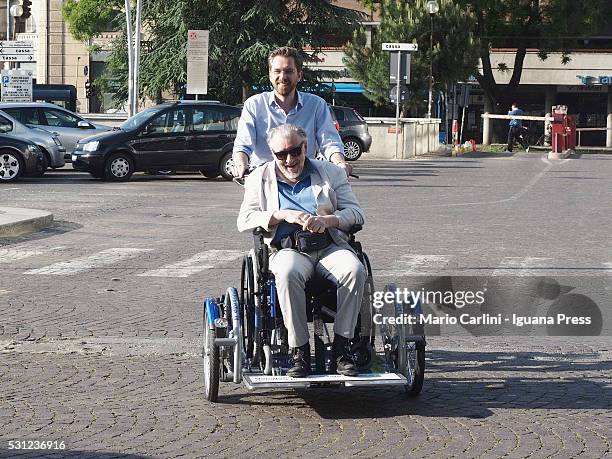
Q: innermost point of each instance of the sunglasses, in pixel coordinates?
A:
(295, 151)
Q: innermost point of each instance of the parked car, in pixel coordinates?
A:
(353, 132)
(49, 144)
(68, 125)
(18, 157)
(186, 135)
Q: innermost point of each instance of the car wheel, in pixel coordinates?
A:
(118, 168)
(226, 166)
(209, 174)
(11, 166)
(352, 149)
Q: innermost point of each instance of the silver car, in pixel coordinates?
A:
(68, 125)
(53, 150)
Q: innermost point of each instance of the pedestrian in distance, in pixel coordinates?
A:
(515, 129)
(285, 104)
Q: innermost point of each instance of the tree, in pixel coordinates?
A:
(454, 51)
(547, 26)
(241, 36)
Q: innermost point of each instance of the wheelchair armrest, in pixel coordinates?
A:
(259, 230)
(355, 229)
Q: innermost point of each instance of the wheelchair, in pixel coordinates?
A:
(245, 339)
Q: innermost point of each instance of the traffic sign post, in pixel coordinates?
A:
(16, 85)
(16, 51)
(399, 74)
(197, 62)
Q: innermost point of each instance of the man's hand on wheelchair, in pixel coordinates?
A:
(240, 164)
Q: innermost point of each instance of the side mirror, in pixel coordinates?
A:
(84, 125)
(148, 129)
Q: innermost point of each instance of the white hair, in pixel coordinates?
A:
(286, 131)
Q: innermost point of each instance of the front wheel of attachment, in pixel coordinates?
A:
(210, 354)
(411, 363)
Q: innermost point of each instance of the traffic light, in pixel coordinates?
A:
(27, 9)
(87, 88)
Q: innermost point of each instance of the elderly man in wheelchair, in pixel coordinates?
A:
(306, 208)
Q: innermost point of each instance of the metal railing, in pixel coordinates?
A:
(580, 130)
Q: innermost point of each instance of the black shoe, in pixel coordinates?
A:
(342, 357)
(301, 362)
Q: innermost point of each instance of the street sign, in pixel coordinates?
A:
(400, 47)
(16, 85)
(404, 68)
(16, 51)
(197, 62)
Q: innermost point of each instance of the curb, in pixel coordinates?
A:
(18, 221)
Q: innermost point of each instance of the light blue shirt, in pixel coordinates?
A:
(296, 197)
(261, 113)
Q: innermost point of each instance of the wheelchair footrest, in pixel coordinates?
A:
(255, 381)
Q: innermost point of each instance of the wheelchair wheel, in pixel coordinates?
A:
(210, 354)
(247, 303)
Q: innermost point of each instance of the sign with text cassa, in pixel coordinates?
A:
(197, 62)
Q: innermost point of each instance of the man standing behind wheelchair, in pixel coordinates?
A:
(307, 206)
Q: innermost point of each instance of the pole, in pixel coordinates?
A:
(430, 99)
(397, 100)
(137, 58)
(128, 18)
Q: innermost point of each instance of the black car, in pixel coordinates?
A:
(187, 135)
(353, 132)
(19, 157)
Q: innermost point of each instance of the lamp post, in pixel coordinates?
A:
(432, 8)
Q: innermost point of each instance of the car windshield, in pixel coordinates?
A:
(138, 119)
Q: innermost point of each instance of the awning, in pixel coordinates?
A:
(346, 87)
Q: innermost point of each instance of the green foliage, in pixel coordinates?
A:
(454, 50)
(87, 18)
(548, 26)
(241, 36)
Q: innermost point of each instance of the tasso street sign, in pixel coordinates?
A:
(16, 51)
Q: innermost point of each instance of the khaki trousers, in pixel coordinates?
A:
(292, 269)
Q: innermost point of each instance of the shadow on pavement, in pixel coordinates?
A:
(497, 380)
(65, 453)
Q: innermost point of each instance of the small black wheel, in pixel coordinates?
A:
(11, 166)
(119, 167)
(210, 355)
(209, 174)
(411, 363)
(226, 166)
(352, 149)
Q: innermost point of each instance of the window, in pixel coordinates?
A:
(60, 119)
(215, 119)
(24, 115)
(167, 123)
(5, 125)
(339, 114)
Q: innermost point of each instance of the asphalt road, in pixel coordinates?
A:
(100, 316)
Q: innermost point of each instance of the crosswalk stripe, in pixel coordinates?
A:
(416, 265)
(199, 262)
(522, 266)
(103, 258)
(13, 254)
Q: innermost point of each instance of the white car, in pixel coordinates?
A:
(68, 125)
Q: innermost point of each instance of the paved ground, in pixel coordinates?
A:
(100, 317)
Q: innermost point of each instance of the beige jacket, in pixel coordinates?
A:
(331, 189)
